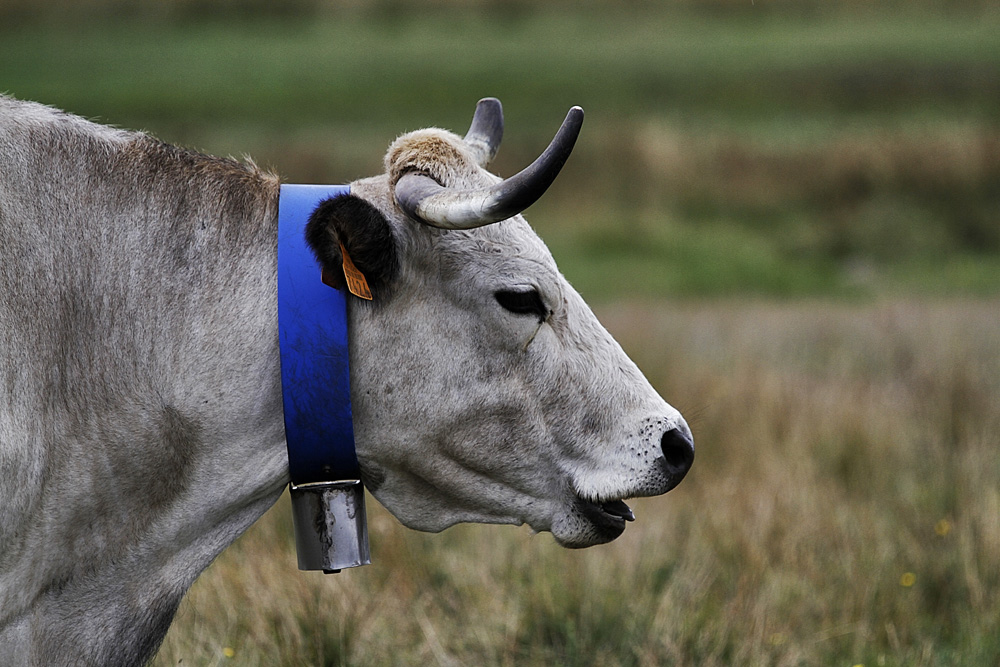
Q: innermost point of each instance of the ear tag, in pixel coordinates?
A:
(356, 282)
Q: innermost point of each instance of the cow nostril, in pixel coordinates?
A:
(678, 450)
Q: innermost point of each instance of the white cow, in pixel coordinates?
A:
(140, 403)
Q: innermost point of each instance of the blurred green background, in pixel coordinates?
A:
(774, 148)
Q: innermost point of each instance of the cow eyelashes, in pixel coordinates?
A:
(523, 303)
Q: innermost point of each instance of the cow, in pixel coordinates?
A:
(141, 423)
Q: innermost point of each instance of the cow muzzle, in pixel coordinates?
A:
(598, 512)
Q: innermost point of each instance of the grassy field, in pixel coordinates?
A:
(796, 209)
(843, 510)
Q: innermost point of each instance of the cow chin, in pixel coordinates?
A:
(586, 524)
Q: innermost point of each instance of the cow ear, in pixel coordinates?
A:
(366, 235)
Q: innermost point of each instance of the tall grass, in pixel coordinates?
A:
(843, 509)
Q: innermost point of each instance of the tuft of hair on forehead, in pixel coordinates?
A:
(440, 154)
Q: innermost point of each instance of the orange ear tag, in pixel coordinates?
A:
(356, 282)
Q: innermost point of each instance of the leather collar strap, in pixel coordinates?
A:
(312, 336)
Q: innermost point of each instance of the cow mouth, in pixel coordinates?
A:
(608, 517)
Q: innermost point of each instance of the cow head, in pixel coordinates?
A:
(484, 389)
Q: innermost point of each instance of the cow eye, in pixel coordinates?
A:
(523, 303)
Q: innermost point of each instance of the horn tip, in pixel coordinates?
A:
(489, 102)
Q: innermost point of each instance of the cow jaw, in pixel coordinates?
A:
(515, 458)
(445, 494)
(573, 521)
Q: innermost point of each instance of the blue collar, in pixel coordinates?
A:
(312, 337)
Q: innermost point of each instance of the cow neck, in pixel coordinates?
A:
(312, 337)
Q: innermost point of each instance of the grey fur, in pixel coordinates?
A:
(140, 405)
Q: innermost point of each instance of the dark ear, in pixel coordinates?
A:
(365, 233)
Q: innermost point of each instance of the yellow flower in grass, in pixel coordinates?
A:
(229, 652)
(942, 527)
(908, 579)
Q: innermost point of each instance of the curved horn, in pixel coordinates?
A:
(486, 131)
(427, 201)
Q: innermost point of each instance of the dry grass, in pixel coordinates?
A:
(844, 509)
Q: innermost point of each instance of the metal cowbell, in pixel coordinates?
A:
(331, 530)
